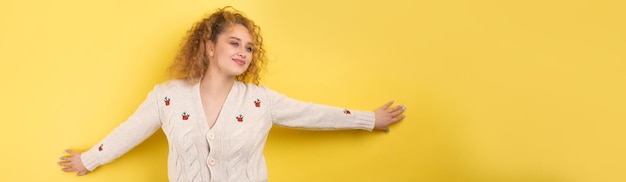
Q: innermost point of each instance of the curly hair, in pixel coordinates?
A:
(191, 61)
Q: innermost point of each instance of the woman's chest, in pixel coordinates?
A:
(244, 120)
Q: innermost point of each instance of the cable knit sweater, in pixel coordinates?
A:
(232, 150)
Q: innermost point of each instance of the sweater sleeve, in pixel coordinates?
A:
(138, 127)
(294, 113)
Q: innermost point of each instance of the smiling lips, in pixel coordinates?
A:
(239, 62)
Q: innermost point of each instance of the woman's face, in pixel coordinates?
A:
(232, 53)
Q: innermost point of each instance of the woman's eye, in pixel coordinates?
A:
(249, 49)
(234, 44)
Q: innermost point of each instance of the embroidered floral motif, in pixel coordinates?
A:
(100, 147)
(185, 116)
(347, 112)
(167, 101)
(257, 103)
(239, 118)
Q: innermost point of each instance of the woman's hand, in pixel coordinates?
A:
(385, 116)
(73, 163)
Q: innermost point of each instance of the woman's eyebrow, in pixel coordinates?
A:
(237, 38)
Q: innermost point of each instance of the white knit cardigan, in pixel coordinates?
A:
(230, 151)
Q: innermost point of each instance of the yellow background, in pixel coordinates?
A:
(496, 90)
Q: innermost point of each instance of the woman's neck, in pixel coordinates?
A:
(216, 85)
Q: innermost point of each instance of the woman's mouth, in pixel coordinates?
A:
(240, 62)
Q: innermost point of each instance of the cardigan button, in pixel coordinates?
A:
(211, 136)
(211, 161)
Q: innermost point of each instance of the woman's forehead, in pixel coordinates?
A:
(239, 32)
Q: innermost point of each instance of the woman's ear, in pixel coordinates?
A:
(210, 48)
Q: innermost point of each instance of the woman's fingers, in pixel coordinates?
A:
(64, 164)
(396, 119)
(384, 107)
(68, 169)
(398, 107)
(82, 173)
(394, 114)
(387, 115)
(66, 161)
(397, 110)
(72, 153)
(72, 163)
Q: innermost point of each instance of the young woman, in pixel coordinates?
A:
(215, 116)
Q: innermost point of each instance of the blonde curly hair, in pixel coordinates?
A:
(191, 61)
